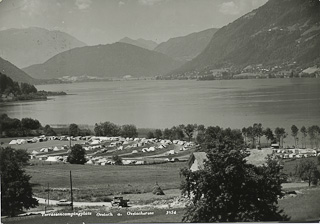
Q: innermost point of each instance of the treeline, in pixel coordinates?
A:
(13, 91)
(251, 136)
(112, 130)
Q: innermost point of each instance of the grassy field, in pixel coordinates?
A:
(98, 181)
(303, 207)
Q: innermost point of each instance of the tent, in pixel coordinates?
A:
(34, 152)
(151, 149)
(56, 148)
(134, 151)
(89, 162)
(52, 159)
(13, 142)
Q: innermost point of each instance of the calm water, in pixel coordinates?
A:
(231, 103)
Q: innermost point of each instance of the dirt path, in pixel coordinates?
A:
(75, 204)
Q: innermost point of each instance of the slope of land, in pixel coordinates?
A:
(147, 44)
(112, 60)
(25, 47)
(186, 48)
(280, 33)
(15, 73)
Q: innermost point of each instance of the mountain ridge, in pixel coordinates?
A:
(185, 48)
(147, 44)
(107, 61)
(281, 32)
(34, 45)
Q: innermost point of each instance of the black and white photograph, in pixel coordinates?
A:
(159, 111)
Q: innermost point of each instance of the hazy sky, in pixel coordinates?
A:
(107, 21)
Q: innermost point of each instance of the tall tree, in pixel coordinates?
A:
(307, 170)
(294, 133)
(189, 129)
(77, 155)
(74, 130)
(280, 135)
(304, 132)
(258, 131)
(269, 134)
(16, 190)
(129, 131)
(158, 134)
(245, 134)
(230, 190)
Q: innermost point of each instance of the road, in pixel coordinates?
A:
(75, 204)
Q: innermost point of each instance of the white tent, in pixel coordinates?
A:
(95, 142)
(34, 152)
(56, 148)
(134, 151)
(172, 152)
(89, 162)
(151, 149)
(13, 142)
(52, 159)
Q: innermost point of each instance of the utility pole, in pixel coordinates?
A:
(71, 191)
(48, 194)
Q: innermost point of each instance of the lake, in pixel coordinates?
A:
(161, 104)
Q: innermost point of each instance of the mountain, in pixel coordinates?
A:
(111, 60)
(25, 47)
(187, 47)
(147, 44)
(15, 73)
(280, 33)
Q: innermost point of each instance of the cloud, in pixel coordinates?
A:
(121, 3)
(229, 8)
(83, 4)
(149, 2)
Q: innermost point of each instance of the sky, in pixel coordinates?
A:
(107, 21)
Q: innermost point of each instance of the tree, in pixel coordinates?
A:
(304, 132)
(257, 131)
(294, 133)
(245, 134)
(74, 130)
(16, 190)
(280, 135)
(129, 131)
(167, 134)
(189, 129)
(117, 160)
(307, 170)
(251, 135)
(201, 130)
(77, 155)
(158, 134)
(108, 129)
(177, 133)
(230, 190)
(269, 134)
(150, 135)
(49, 131)
(29, 123)
(98, 130)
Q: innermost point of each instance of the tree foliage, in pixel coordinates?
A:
(307, 170)
(77, 155)
(230, 190)
(74, 130)
(16, 190)
(129, 131)
(117, 160)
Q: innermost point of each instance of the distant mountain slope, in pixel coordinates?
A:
(187, 47)
(25, 47)
(112, 60)
(147, 44)
(15, 73)
(281, 32)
